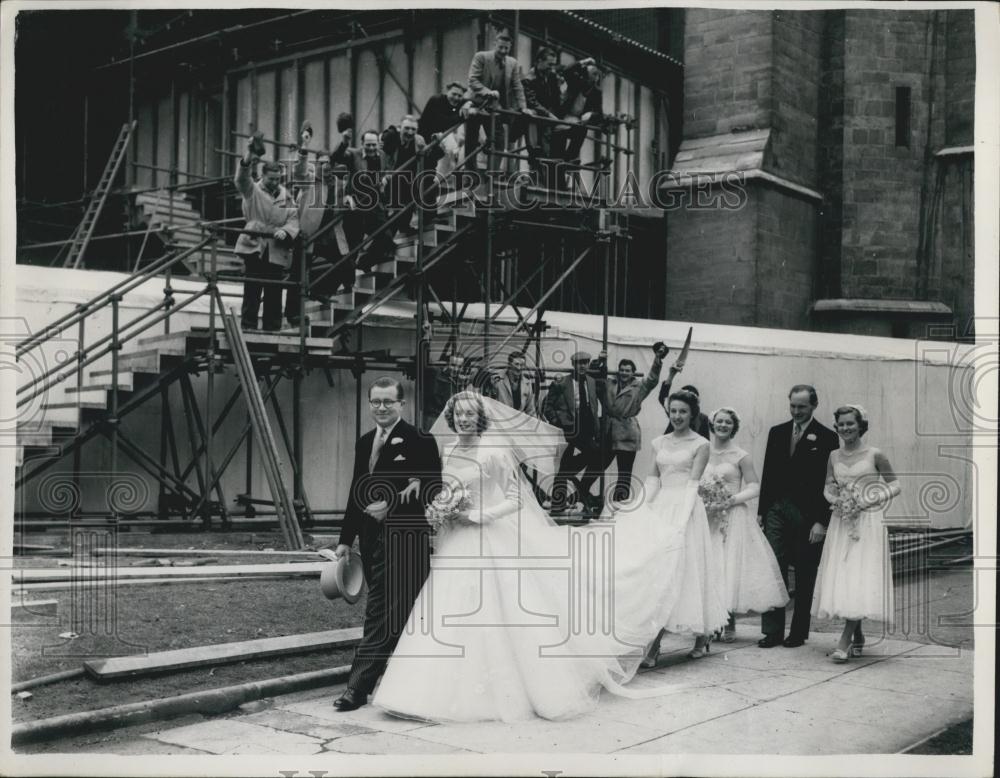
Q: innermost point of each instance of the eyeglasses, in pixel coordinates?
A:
(382, 403)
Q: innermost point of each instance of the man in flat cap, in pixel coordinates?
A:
(573, 405)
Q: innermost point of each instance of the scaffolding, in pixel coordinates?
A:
(333, 345)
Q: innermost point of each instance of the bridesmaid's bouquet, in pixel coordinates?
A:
(849, 507)
(448, 507)
(714, 493)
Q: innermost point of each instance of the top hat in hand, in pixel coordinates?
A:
(257, 144)
(345, 122)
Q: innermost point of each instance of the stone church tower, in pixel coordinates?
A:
(851, 132)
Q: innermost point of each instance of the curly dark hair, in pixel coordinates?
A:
(482, 423)
(688, 398)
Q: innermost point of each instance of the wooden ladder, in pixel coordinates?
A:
(263, 434)
(78, 244)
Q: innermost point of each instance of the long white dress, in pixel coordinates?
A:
(751, 576)
(698, 607)
(522, 618)
(854, 580)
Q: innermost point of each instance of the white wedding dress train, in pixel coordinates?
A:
(521, 618)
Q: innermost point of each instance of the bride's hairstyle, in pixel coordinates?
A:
(859, 414)
(482, 422)
(731, 414)
(688, 398)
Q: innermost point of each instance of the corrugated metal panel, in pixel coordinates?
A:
(396, 103)
(368, 92)
(267, 81)
(340, 94)
(314, 101)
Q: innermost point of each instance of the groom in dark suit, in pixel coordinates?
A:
(793, 511)
(395, 470)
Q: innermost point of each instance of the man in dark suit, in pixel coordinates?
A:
(542, 93)
(582, 105)
(365, 196)
(442, 111)
(495, 82)
(395, 470)
(793, 511)
(573, 404)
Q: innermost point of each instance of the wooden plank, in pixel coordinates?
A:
(220, 653)
(21, 608)
(159, 552)
(27, 548)
(63, 585)
(82, 574)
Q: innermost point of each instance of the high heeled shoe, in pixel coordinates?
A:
(856, 649)
(649, 661)
(700, 649)
(729, 635)
(839, 656)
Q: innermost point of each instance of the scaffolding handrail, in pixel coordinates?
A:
(105, 298)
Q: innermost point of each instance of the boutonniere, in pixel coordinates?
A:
(810, 436)
(395, 441)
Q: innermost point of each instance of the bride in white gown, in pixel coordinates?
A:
(520, 617)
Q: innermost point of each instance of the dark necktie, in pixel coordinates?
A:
(586, 417)
(501, 66)
(516, 395)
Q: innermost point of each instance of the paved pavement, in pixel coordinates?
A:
(740, 699)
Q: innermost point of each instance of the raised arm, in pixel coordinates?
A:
(242, 179)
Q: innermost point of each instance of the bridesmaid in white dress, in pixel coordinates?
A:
(752, 579)
(671, 496)
(854, 581)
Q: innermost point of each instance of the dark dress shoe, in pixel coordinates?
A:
(792, 642)
(769, 641)
(350, 700)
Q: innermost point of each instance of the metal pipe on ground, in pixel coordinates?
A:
(209, 701)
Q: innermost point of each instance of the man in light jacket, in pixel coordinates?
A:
(268, 208)
(495, 82)
(514, 389)
(623, 398)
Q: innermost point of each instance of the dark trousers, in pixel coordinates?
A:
(396, 561)
(623, 485)
(567, 143)
(366, 221)
(578, 456)
(402, 193)
(787, 530)
(293, 296)
(511, 126)
(257, 267)
(328, 253)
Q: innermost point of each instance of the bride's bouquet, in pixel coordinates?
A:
(714, 493)
(849, 507)
(448, 507)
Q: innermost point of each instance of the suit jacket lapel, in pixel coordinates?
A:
(397, 432)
